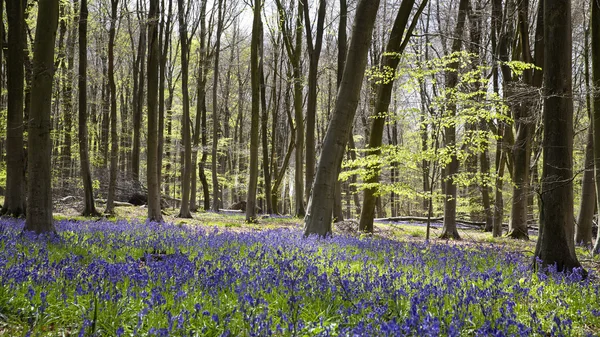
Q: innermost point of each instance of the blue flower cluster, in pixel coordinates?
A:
(126, 279)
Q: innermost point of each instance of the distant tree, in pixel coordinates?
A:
(255, 79)
(89, 207)
(154, 211)
(215, 114)
(318, 217)
(39, 191)
(14, 203)
(555, 244)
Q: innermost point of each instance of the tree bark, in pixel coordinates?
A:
(449, 230)
(255, 117)
(595, 46)
(89, 208)
(14, 203)
(314, 53)
(152, 175)
(39, 190)
(389, 63)
(555, 243)
(338, 214)
(215, 114)
(318, 217)
(184, 211)
(137, 113)
(114, 137)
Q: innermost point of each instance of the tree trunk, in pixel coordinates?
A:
(341, 60)
(215, 114)
(449, 230)
(89, 208)
(318, 217)
(114, 137)
(389, 63)
(137, 113)
(152, 176)
(201, 108)
(314, 53)
(595, 45)
(14, 203)
(66, 156)
(39, 191)
(255, 117)
(555, 242)
(164, 38)
(583, 227)
(264, 120)
(184, 211)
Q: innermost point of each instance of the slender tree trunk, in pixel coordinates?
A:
(14, 203)
(449, 230)
(389, 63)
(318, 217)
(89, 208)
(595, 46)
(114, 137)
(66, 156)
(152, 176)
(137, 113)
(341, 61)
(583, 226)
(264, 120)
(314, 53)
(555, 242)
(201, 107)
(215, 114)
(39, 191)
(164, 38)
(184, 211)
(254, 127)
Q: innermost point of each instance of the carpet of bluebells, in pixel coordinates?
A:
(141, 279)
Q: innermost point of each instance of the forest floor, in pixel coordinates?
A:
(403, 231)
(215, 275)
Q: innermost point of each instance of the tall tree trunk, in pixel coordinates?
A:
(114, 137)
(39, 191)
(595, 26)
(264, 120)
(555, 242)
(522, 146)
(314, 53)
(164, 39)
(152, 176)
(89, 207)
(449, 230)
(184, 211)
(137, 113)
(215, 114)
(255, 117)
(341, 61)
(583, 227)
(201, 107)
(14, 203)
(66, 155)
(294, 52)
(318, 217)
(389, 63)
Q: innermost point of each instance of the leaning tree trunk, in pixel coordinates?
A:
(152, 176)
(14, 203)
(583, 227)
(39, 191)
(555, 245)
(318, 217)
(449, 230)
(389, 63)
